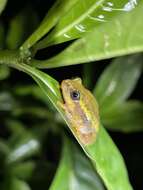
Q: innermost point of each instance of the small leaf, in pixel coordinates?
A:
(76, 170)
(23, 170)
(7, 102)
(118, 81)
(22, 146)
(126, 117)
(4, 149)
(15, 127)
(20, 27)
(2, 5)
(15, 184)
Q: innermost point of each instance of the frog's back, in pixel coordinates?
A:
(91, 104)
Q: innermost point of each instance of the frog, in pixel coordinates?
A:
(81, 110)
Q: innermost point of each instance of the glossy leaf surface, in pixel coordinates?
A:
(84, 17)
(109, 162)
(76, 170)
(59, 8)
(103, 42)
(22, 146)
(118, 81)
(126, 117)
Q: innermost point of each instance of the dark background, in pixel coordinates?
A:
(130, 145)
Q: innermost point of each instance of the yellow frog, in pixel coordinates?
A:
(81, 110)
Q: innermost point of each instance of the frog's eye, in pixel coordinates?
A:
(75, 95)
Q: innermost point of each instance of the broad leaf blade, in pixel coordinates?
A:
(76, 170)
(126, 117)
(109, 162)
(83, 18)
(103, 42)
(118, 81)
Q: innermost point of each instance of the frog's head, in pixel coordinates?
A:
(71, 90)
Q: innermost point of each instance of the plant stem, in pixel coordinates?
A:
(12, 59)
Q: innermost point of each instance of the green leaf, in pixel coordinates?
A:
(15, 184)
(7, 102)
(103, 42)
(4, 149)
(4, 72)
(55, 13)
(76, 170)
(83, 18)
(23, 170)
(109, 162)
(16, 127)
(20, 27)
(126, 117)
(118, 81)
(2, 5)
(50, 86)
(22, 146)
